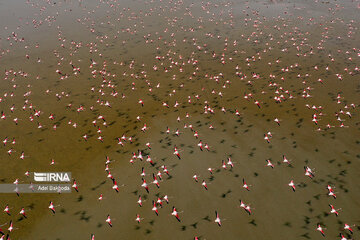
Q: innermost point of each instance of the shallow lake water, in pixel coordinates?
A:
(86, 81)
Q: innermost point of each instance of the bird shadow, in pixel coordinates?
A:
(194, 225)
(252, 222)
(80, 198)
(224, 195)
(135, 192)
(31, 206)
(287, 224)
(305, 235)
(207, 218)
(96, 187)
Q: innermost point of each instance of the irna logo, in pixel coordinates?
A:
(52, 177)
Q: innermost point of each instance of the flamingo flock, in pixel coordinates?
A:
(185, 101)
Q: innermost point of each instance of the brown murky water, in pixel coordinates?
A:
(80, 60)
